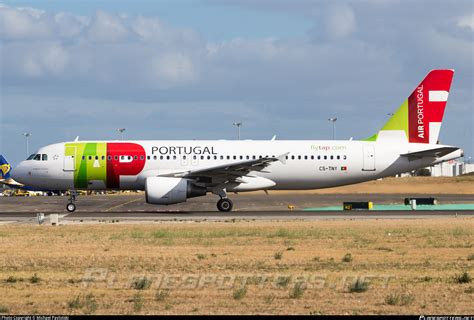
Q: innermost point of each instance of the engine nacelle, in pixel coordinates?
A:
(168, 190)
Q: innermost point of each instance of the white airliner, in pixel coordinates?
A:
(172, 171)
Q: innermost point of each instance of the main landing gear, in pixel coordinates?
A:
(71, 207)
(224, 204)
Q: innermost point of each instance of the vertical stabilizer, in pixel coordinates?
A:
(419, 118)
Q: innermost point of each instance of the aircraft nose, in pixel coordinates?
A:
(20, 173)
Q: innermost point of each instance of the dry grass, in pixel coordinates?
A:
(406, 185)
(421, 259)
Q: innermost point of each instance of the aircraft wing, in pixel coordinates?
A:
(432, 153)
(228, 172)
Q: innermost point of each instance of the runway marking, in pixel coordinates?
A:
(122, 204)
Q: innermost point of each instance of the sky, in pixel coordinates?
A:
(187, 69)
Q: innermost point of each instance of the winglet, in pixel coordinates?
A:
(77, 138)
(282, 158)
(274, 138)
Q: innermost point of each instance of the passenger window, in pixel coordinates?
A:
(325, 157)
(184, 157)
(194, 157)
(154, 157)
(103, 157)
(312, 157)
(319, 157)
(122, 157)
(248, 157)
(208, 157)
(135, 157)
(174, 157)
(83, 158)
(332, 157)
(44, 157)
(241, 157)
(90, 157)
(345, 157)
(235, 157)
(202, 157)
(215, 157)
(338, 157)
(254, 157)
(97, 157)
(109, 158)
(129, 157)
(142, 157)
(148, 157)
(292, 157)
(306, 157)
(161, 158)
(222, 157)
(299, 157)
(116, 157)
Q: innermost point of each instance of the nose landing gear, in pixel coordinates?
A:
(71, 207)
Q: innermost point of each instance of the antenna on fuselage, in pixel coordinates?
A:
(274, 138)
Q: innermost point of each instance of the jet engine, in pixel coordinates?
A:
(168, 190)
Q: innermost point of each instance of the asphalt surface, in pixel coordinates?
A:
(255, 206)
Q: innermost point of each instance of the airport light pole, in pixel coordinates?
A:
(27, 135)
(333, 120)
(121, 130)
(238, 125)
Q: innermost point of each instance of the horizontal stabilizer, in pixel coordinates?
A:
(433, 153)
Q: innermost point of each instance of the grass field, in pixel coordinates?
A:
(321, 267)
(406, 185)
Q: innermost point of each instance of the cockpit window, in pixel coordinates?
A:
(44, 157)
(31, 157)
(37, 157)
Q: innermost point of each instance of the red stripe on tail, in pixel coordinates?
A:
(422, 110)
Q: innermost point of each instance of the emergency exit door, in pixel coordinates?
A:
(69, 158)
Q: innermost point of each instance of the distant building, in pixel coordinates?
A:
(451, 168)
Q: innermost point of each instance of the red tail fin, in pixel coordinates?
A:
(426, 106)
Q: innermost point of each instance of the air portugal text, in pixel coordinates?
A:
(420, 112)
(180, 150)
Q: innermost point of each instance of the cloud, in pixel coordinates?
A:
(466, 22)
(23, 23)
(107, 28)
(104, 50)
(340, 22)
(358, 62)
